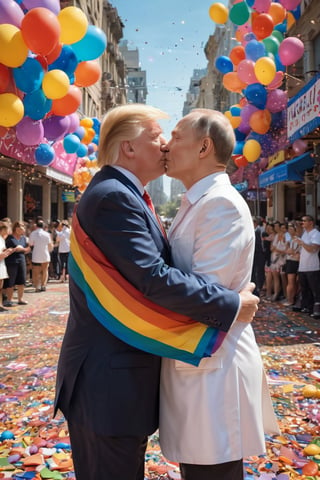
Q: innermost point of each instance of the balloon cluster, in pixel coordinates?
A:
(47, 54)
(255, 68)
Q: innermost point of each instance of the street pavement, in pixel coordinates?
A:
(34, 445)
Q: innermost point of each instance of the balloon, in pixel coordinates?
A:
(252, 150)
(86, 122)
(36, 104)
(277, 13)
(238, 148)
(256, 94)
(3, 131)
(55, 127)
(242, 31)
(79, 132)
(246, 114)
(277, 100)
(240, 161)
(74, 122)
(290, 50)
(299, 146)
(255, 50)
(53, 5)
(29, 76)
(71, 143)
(55, 84)
(29, 132)
(262, 6)
(234, 120)
(11, 109)
(13, 51)
(54, 54)
(73, 23)
(290, 4)
(239, 13)
(262, 26)
(265, 70)
(232, 82)
(66, 61)
(272, 44)
(260, 121)
(223, 64)
(4, 78)
(87, 73)
(290, 20)
(92, 45)
(69, 103)
(40, 30)
(82, 150)
(10, 13)
(218, 13)
(237, 54)
(44, 154)
(245, 71)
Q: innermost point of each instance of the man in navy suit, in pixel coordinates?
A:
(107, 389)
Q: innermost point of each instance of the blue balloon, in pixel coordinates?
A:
(296, 12)
(223, 64)
(36, 104)
(71, 143)
(96, 124)
(235, 111)
(281, 27)
(28, 77)
(239, 135)
(250, 3)
(256, 94)
(44, 154)
(279, 65)
(82, 150)
(92, 45)
(255, 50)
(238, 148)
(67, 61)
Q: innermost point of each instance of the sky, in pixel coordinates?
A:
(170, 36)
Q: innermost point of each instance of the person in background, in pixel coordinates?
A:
(309, 267)
(107, 385)
(16, 264)
(54, 267)
(291, 266)
(41, 243)
(259, 259)
(268, 237)
(213, 415)
(63, 237)
(4, 253)
(278, 259)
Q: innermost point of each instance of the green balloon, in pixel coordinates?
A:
(239, 13)
(272, 44)
(277, 35)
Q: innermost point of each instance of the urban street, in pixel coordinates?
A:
(33, 444)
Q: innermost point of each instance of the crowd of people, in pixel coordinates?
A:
(286, 263)
(31, 253)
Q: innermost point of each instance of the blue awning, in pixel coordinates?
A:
(288, 171)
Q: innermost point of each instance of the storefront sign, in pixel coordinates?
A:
(275, 159)
(303, 113)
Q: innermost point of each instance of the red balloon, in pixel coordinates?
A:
(54, 54)
(262, 26)
(67, 104)
(4, 78)
(240, 161)
(40, 30)
(237, 54)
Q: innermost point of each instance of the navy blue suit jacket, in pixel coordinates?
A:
(102, 382)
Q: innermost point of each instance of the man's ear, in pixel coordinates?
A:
(206, 147)
(127, 148)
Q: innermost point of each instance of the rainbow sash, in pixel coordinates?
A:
(127, 314)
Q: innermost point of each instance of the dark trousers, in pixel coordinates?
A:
(310, 289)
(220, 471)
(107, 458)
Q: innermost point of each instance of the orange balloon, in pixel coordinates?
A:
(232, 82)
(240, 161)
(237, 54)
(87, 73)
(262, 26)
(290, 20)
(260, 121)
(88, 136)
(40, 30)
(277, 12)
(67, 104)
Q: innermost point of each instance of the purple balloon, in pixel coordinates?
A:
(11, 13)
(29, 132)
(277, 100)
(74, 122)
(53, 5)
(55, 127)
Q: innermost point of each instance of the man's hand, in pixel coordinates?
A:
(249, 304)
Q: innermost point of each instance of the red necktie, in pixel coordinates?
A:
(146, 197)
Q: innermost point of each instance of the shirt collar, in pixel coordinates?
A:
(130, 176)
(201, 187)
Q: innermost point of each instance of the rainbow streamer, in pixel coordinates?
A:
(127, 314)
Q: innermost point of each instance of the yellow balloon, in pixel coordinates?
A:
(11, 110)
(218, 13)
(73, 23)
(251, 150)
(265, 70)
(55, 84)
(13, 50)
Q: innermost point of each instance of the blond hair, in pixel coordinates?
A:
(123, 123)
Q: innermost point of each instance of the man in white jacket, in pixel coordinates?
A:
(214, 415)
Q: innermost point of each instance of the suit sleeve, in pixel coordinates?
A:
(122, 230)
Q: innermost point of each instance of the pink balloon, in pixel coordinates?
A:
(299, 146)
(291, 50)
(29, 132)
(74, 122)
(11, 13)
(290, 4)
(246, 73)
(53, 5)
(277, 81)
(262, 6)
(277, 100)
